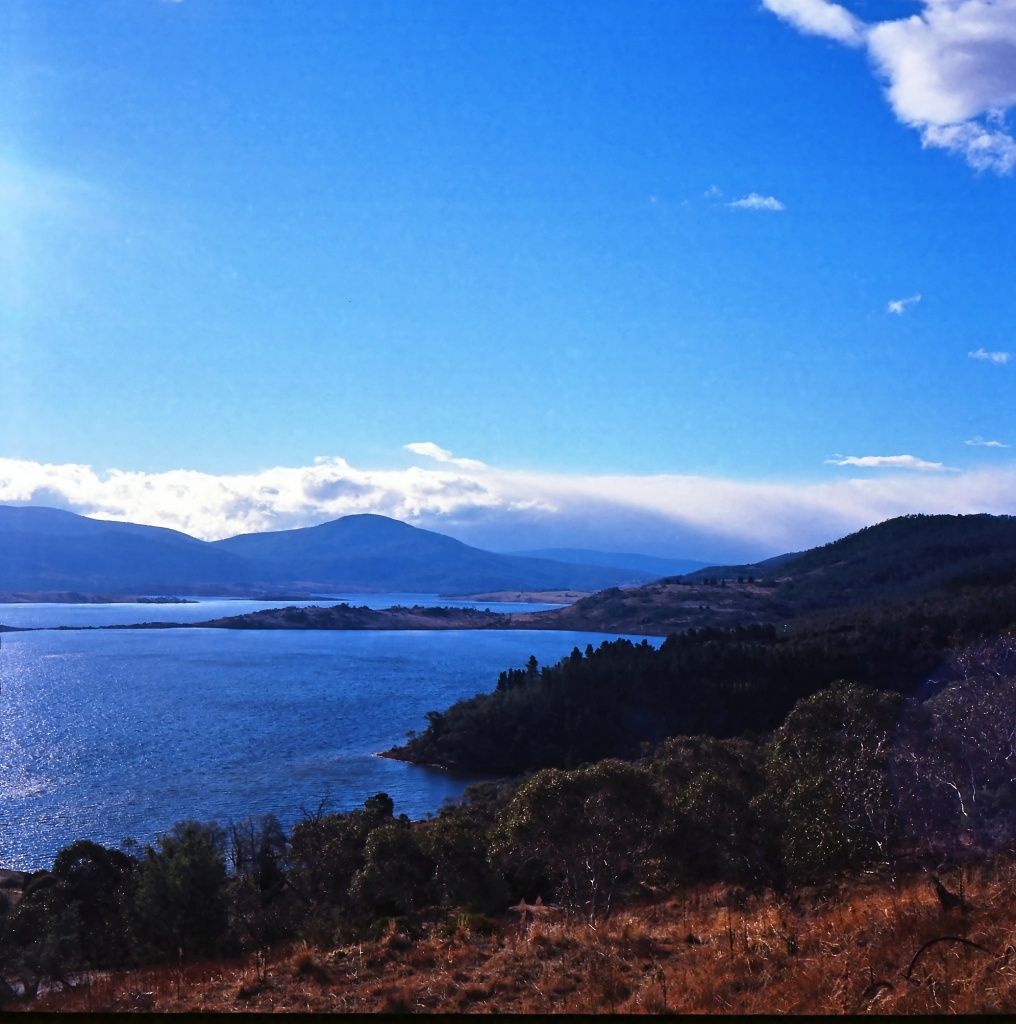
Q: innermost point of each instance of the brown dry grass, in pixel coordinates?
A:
(859, 947)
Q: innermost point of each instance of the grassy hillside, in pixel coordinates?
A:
(862, 946)
(901, 558)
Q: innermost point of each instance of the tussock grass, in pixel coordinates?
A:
(868, 945)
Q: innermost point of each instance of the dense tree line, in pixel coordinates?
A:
(854, 777)
(610, 701)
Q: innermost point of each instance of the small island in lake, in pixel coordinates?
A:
(344, 616)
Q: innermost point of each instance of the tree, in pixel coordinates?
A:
(39, 938)
(828, 780)
(325, 853)
(97, 883)
(592, 826)
(457, 842)
(711, 829)
(955, 764)
(397, 874)
(257, 852)
(181, 900)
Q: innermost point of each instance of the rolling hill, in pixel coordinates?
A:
(657, 567)
(903, 558)
(50, 550)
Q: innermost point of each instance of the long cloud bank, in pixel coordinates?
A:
(690, 516)
(950, 70)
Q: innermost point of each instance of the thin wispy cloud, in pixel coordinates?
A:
(998, 358)
(888, 462)
(757, 202)
(28, 192)
(949, 70)
(438, 454)
(900, 306)
(503, 509)
(979, 442)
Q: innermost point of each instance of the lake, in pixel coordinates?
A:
(203, 609)
(106, 735)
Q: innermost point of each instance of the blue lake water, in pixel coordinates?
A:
(204, 608)
(110, 735)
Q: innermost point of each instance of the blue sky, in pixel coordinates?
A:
(714, 280)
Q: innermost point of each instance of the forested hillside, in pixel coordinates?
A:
(722, 681)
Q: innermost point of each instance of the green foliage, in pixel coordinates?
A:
(77, 915)
(463, 876)
(711, 829)
(397, 874)
(181, 898)
(591, 826)
(827, 771)
(97, 884)
(901, 558)
(710, 681)
(40, 938)
(325, 854)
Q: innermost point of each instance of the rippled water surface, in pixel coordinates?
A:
(114, 734)
(204, 608)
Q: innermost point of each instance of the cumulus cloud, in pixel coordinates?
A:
(979, 442)
(756, 202)
(998, 358)
(212, 507)
(888, 462)
(950, 70)
(693, 516)
(899, 306)
(433, 451)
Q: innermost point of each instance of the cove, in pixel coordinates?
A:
(117, 735)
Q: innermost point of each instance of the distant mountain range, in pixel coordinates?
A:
(656, 567)
(47, 549)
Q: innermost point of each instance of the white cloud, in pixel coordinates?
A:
(820, 18)
(433, 451)
(950, 70)
(694, 516)
(756, 202)
(899, 306)
(979, 442)
(888, 462)
(998, 358)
